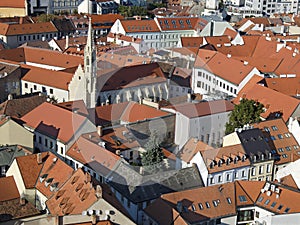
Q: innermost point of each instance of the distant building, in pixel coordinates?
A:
(13, 8)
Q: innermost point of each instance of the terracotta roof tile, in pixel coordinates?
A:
(75, 106)
(135, 26)
(54, 121)
(12, 4)
(131, 76)
(27, 28)
(191, 147)
(20, 106)
(8, 189)
(53, 175)
(41, 56)
(249, 189)
(289, 181)
(192, 41)
(223, 154)
(75, 196)
(274, 102)
(192, 110)
(56, 79)
(30, 168)
(95, 156)
(284, 142)
(208, 61)
(287, 201)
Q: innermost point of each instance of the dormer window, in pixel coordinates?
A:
(43, 177)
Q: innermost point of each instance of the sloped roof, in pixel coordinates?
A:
(136, 26)
(95, 156)
(274, 102)
(26, 28)
(54, 121)
(55, 173)
(20, 106)
(8, 189)
(192, 110)
(56, 79)
(76, 195)
(41, 56)
(220, 65)
(12, 4)
(131, 76)
(30, 168)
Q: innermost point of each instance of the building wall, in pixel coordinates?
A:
(31, 87)
(14, 41)
(40, 200)
(231, 139)
(10, 130)
(227, 176)
(198, 160)
(10, 84)
(165, 126)
(262, 170)
(11, 12)
(209, 129)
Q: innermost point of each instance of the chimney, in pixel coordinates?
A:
(22, 200)
(10, 97)
(39, 158)
(212, 24)
(94, 219)
(98, 192)
(99, 131)
(88, 178)
(189, 97)
(67, 41)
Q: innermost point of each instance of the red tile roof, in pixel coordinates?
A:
(55, 172)
(284, 142)
(131, 76)
(41, 56)
(136, 26)
(56, 79)
(191, 41)
(89, 153)
(30, 168)
(13, 4)
(8, 189)
(27, 28)
(224, 154)
(54, 121)
(208, 61)
(75, 196)
(192, 110)
(274, 102)
(191, 147)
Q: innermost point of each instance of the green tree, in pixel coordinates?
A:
(247, 112)
(45, 17)
(153, 154)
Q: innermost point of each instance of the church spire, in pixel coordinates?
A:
(90, 68)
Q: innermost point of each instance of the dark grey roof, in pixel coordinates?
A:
(9, 153)
(254, 144)
(64, 25)
(139, 188)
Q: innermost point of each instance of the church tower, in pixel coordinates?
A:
(90, 68)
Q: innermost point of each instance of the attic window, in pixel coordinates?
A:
(229, 200)
(207, 205)
(242, 198)
(193, 207)
(200, 206)
(286, 210)
(279, 207)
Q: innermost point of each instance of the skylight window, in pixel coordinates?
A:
(267, 201)
(267, 129)
(279, 207)
(260, 199)
(193, 207)
(273, 204)
(274, 128)
(229, 200)
(280, 136)
(207, 205)
(242, 198)
(273, 138)
(286, 210)
(288, 148)
(200, 206)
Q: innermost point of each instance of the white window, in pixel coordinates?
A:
(253, 170)
(261, 169)
(269, 166)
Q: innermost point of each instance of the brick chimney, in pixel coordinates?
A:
(39, 158)
(98, 191)
(99, 131)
